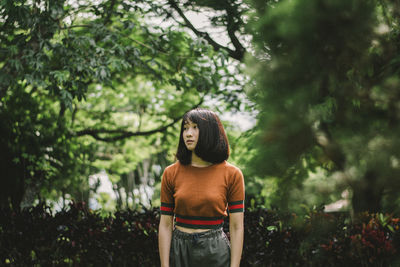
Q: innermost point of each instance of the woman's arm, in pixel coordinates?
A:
(236, 230)
(164, 238)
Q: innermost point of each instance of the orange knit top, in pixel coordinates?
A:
(200, 197)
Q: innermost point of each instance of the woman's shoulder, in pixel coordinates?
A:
(172, 166)
(172, 169)
(232, 168)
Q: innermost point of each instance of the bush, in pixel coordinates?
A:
(78, 237)
(81, 237)
(320, 239)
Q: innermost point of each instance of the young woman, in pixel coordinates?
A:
(199, 190)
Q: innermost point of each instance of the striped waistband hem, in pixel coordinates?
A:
(199, 222)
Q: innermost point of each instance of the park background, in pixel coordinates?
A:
(92, 93)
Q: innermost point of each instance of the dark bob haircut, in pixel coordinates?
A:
(212, 145)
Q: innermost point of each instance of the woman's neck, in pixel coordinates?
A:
(198, 162)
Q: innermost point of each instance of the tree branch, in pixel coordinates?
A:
(109, 12)
(236, 54)
(232, 27)
(95, 133)
(122, 134)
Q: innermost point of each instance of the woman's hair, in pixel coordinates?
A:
(212, 145)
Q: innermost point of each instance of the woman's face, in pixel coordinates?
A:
(190, 135)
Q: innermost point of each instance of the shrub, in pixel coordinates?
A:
(78, 236)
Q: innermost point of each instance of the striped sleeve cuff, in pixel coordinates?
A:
(167, 208)
(236, 206)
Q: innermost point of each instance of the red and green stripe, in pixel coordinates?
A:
(236, 206)
(167, 208)
(197, 222)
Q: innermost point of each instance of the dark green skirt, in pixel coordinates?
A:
(210, 249)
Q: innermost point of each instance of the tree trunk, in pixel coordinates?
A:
(367, 194)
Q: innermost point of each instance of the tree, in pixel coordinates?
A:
(326, 80)
(227, 15)
(58, 58)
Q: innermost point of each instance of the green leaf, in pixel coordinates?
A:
(382, 219)
(102, 73)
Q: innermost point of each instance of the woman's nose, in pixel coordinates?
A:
(189, 132)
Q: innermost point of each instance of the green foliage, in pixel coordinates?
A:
(79, 236)
(93, 86)
(36, 151)
(327, 89)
